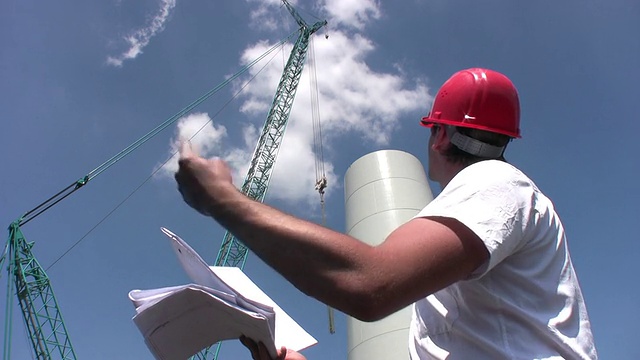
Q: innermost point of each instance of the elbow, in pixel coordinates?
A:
(371, 311)
(365, 296)
(360, 305)
(377, 309)
(371, 304)
(369, 314)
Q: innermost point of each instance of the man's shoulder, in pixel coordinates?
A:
(493, 165)
(492, 180)
(487, 172)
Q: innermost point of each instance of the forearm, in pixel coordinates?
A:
(322, 263)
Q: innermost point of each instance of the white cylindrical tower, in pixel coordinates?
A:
(383, 190)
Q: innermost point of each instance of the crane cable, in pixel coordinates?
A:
(166, 161)
(73, 187)
(321, 177)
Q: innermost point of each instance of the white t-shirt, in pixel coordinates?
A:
(525, 301)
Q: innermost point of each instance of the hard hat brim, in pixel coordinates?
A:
(429, 122)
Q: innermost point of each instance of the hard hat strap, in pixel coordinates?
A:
(473, 146)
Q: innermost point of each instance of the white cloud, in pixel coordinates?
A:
(355, 14)
(294, 176)
(138, 39)
(352, 13)
(262, 18)
(355, 100)
(205, 138)
(239, 158)
(294, 173)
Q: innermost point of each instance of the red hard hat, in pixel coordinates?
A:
(477, 98)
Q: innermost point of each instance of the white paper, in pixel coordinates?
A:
(189, 320)
(222, 304)
(288, 331)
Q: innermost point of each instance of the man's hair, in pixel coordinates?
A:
(457, 156)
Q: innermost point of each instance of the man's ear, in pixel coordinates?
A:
(441, 140)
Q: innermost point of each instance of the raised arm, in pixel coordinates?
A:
(420, 257)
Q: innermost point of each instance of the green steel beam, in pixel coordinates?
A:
(41, 314)
(232, 251)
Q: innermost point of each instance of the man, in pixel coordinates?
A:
(485, 264)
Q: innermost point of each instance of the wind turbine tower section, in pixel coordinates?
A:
(383, 190)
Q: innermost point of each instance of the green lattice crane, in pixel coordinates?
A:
(29, 281)
(40, 310)
(232, 251)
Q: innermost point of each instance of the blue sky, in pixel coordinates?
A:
(79, 81)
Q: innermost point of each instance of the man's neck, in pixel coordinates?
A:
(450, 170)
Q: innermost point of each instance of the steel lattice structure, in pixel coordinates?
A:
(232, 251)
(40, 310)
(30, 283)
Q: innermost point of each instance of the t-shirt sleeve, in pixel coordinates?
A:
(493, 202)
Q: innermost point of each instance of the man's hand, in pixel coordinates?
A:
(259, 351)
(200, 181)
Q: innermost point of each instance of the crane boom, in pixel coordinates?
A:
(42, 316)
(232, 251)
